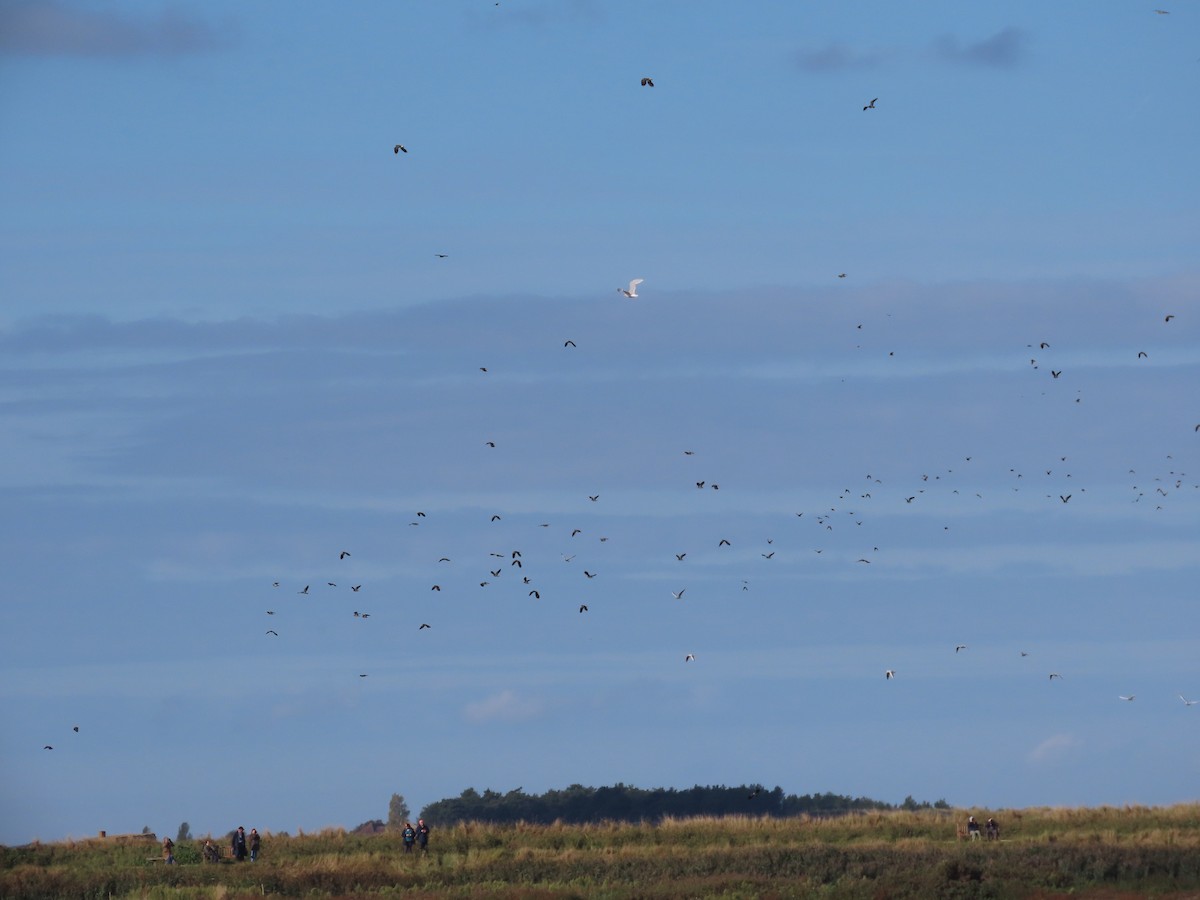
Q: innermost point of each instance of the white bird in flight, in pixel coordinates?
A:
(1123, 697)
(631, 291)
(1187, 702)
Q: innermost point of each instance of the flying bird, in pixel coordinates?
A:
(583, 607)
(1123, 697)
(631, 291)
(276, 633)
(535, 595)
(680, 556)
(889, 674)
(76, 727)
(678, 596)
(270, 612)
(1168, 318)
(960, 647)
(423, 625)
(1186, 702)
(305, 591)
(355, 587)
(768, 555)
(691, 657)
(646, 82)
(399, 148)
(1054, 675)
(568, 343)
(724, 543)
(346, 553)
(593, 497)
(1142, 354)
(870, 105)
(47, 747)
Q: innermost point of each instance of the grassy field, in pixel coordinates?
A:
(1044, 853)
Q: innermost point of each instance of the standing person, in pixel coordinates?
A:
(972, 828)
(255, 842)
(410, 836)
(239, 844)
(423, 835)
(168, 850)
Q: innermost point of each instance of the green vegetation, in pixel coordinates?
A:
(1044, 853)
(622, 803)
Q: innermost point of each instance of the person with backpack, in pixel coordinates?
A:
(410, 837)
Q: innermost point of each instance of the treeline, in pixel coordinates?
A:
(621, 803)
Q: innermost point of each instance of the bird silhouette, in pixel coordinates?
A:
(889, 674)
(535, 595)
(399, 148)
(646, 82)
(631, 291)
(47, 747)
(343, 554)
(870, 105)
(678, 596)
(960, 647)
(305, 591)
(75, 728)
(568, 343)
(276, 633)
(424, 625)
(1123, 697)
(680, 556)
(1186, 701)
(583, 607)
(691, 657)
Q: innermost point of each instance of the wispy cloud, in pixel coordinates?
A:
(836, 56)
(505, 706)
(1054, 748)
(1002, 50)
(51, 28)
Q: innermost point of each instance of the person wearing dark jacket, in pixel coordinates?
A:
(422, 835)
(255, 843)
(410, 836)
(239, 844)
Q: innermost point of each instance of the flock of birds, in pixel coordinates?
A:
(846, 512)
(838, 516)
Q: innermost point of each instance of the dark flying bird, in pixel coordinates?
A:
(276, 633)
(568, 343)
(646, 82)
(423, 625)
(583, 607)
(399, 148)
(870, 105)
(343, 554)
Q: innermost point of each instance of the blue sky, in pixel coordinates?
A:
(229, 351)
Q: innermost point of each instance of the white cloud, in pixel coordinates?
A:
(502, 707)
(1054, 748)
